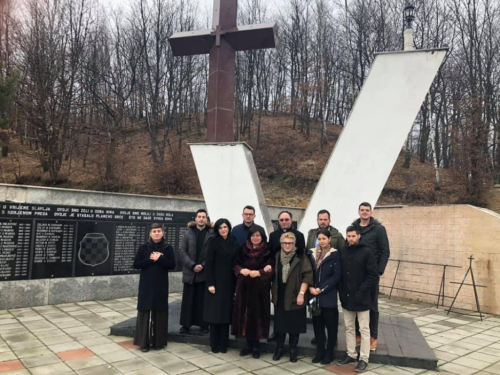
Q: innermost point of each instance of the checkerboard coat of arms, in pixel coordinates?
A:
(94, 249)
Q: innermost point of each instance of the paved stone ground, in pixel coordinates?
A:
(74, 338)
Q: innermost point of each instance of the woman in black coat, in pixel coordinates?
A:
(327, 273)
(219, 295)
(154, 259)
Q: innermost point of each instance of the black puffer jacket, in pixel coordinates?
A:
(359, 276)
(375, 237)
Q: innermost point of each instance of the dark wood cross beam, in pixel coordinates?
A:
(221, 43)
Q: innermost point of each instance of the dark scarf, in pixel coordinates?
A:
(260, 254)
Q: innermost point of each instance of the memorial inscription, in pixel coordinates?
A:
(50, 241)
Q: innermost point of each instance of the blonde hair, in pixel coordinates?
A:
(286, 235)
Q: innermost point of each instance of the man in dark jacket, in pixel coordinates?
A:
(240, 231)
(285, 225)
(336, 240)
(192, 252)
(359, 276)
(373, 235)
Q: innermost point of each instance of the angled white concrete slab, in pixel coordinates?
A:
(229, 181)
(369, 145)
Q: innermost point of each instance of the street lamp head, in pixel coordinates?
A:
(409, 16)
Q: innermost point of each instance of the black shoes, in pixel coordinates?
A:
(346, 361)
(245, 351)
(327, 359)
(215, 350)
(278, 353)
(184, 330)
(256, 353)
(145, 349)
(223, 350)
(319, 356)
(362, 365)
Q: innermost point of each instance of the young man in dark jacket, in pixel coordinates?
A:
(373, 235)
(359, 276)
(192, 252)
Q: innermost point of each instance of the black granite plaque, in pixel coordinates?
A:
(53, 249)
(15, 239)
(50, 241)
(128, 238)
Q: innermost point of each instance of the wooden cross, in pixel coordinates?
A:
(222, 42)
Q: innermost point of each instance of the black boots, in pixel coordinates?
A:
(294, 340)
(280, 342)
(320, 353)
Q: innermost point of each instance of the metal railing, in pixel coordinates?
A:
(440, 296)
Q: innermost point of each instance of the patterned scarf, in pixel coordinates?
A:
(285, 261)
(320, 255)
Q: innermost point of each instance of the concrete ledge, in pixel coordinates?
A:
(29, 293)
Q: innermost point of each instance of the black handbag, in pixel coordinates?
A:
(314, 308)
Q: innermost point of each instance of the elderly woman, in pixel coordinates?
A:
(292, 278)
(327, 273)
(155, 258)
(219, 294)
(253, 268)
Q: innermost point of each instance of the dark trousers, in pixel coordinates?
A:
(219, 336)
(374, 315)
(328, 319)
(151, 328)
(193, 297)
(253, 343)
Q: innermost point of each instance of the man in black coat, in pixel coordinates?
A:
(359, 276)
(285, 225)
(240, 231)
(192, 253)
(373, 235)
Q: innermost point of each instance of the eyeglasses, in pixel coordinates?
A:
(284, 219)
(245, 214)
(288, 243)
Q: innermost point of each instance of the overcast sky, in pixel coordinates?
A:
(205, 6)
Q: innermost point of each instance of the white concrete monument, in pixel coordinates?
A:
(229, 181)
(374, 134)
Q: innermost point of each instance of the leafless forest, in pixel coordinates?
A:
(77, 79)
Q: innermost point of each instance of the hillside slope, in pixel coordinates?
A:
(288, 165)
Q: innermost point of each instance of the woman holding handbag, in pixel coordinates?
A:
(326, 265)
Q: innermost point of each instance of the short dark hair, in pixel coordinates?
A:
(320, 212)
(285, 212)
(249, 208)
(201, 210)
(156, 226)
(256, 228)
(352, 228)
(218, 223)
(365, 204)
(324, 232)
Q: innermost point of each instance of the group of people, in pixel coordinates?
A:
(231, 276)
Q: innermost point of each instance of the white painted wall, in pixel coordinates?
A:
(369, 145)
(229, 181)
